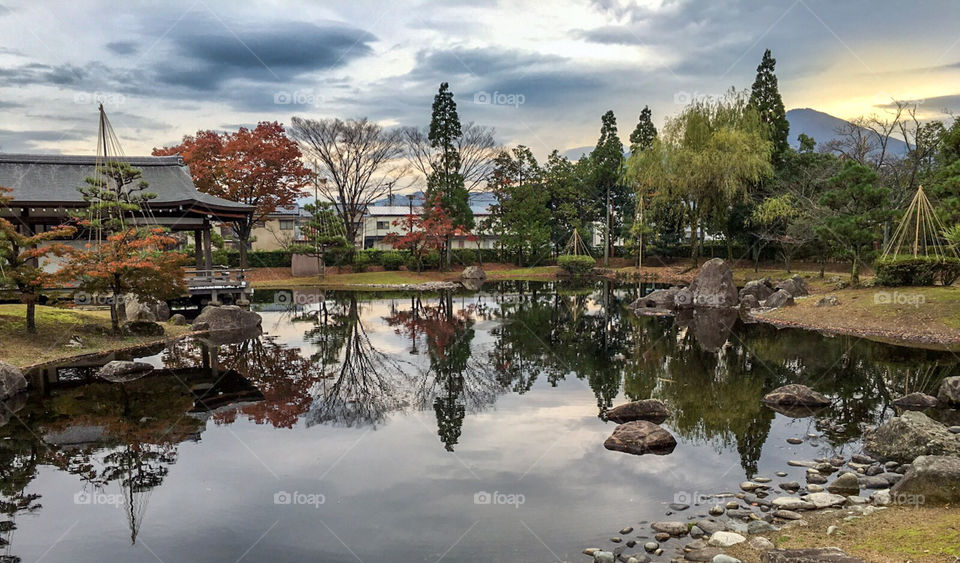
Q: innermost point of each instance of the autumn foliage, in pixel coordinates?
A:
(425, 233)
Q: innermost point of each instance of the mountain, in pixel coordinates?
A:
(822, 127)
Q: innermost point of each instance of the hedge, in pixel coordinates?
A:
(575, 265)
(916, 271)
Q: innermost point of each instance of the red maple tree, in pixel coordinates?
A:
(424, 233)
(258, 167)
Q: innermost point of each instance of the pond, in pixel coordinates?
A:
(458, 426)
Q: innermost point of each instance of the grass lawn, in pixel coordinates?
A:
(352, 280)
(899, 533)
(55, 327)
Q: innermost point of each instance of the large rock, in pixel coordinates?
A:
(683, 299)
(781, 298)
(227, 318)
(146, 309)
(119, 371)
(758, 288)
(748, 302)
(713, 286)
(673, 528)
(795, 395)
(825, 500)
(141, 328)
(915, 402)
(640, 437)
(12, 380)
(657, 299)
(808, 555)
(950, 391)
(710, 326)
(795, 286)
(648, 409)
(931, 479)
(473, 273)
(846, 484)
(912, 434)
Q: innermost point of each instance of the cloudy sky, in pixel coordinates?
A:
(540, 72)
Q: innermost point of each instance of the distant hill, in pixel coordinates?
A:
(822, 128)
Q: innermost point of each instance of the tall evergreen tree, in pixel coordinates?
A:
(765, 98)
(606, 163)
(445, 184)
(643, 136)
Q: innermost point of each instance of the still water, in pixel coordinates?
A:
(389, 427)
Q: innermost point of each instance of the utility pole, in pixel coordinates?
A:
(319, 248)
(640, 246)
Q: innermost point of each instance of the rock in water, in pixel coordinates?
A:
(825, 500)
(912, 434)
(933, 478)
(648, 409)
(748, 302)
(672, 528)
(683, 299)
(119, 371)
(759, 289)
(657, 299)
(795, 395)
(949, 392)
(227, 317)
(915, 402)
(713, 286)
(781, 298)
(473, 273)
(12, 380)
(846, 484)
(640, 437)
(813, 555)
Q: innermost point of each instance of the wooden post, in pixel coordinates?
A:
(207, 253)
(198, 248)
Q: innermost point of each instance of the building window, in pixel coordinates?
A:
(259, 224)
(286, 224)
(383, 225)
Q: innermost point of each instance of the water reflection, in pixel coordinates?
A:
(354, 360)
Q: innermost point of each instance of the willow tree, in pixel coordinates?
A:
(705, 159)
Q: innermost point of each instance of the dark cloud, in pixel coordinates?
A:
(29, 141)
(210, 53)
(37, 73)
(477, 62)
(122, 47)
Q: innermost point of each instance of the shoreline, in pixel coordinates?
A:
(90, 355)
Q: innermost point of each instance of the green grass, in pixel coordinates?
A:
(55, 327)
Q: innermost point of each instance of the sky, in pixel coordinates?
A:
(540, 72)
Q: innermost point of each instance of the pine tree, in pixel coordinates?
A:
(643, 136)
(445, 183)
(765, 98)
(606, 163)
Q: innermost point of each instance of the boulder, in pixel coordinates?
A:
(657, 299)
(795, 395)
(808, 555)
(800, 284)
(912, 434)
(931, 479)
(725, 539)
(760, 289)
(825, 500)
(227, 317)
(648, 409)
(780, 298)
(748, 302)
(795, 286)
(178, 320)
(473, 273)
(713, 286)
(683, 298)
(915, 402)
(710, 326)
(846, 484)
(9, 408)
(141, 328)
(672, 528)
(119, 371)
(12, 380)
(640, 437)
(949, 392)
(828, 301)
(146, 309)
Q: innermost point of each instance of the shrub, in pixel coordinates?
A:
(361, 261)
(575, 265)
(392, 260)
(916, 271)
(465, 256)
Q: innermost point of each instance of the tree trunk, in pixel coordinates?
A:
(855, 272)
(32, 314)
(114, 317)
(694, 239)
(244, 243)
